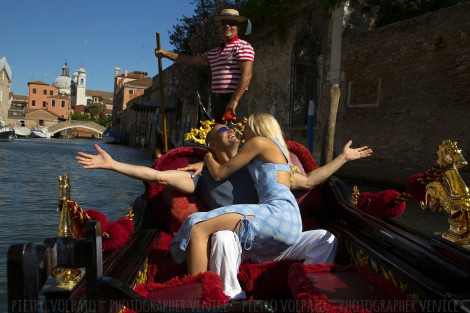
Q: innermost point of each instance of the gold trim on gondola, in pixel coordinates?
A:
(355, 196)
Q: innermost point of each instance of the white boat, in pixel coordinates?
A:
(40, 133)
(22, 131)
(7, 134)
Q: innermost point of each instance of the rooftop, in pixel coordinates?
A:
(37, 82)
(143, 82)
(19, 97)
(99, 93)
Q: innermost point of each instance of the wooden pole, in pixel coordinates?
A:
(335, 94)
(163, 118)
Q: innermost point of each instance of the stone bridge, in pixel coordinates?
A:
(97, 128)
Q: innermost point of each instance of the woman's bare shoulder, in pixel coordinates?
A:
(260, 140)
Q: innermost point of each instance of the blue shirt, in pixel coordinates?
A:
(238, 188)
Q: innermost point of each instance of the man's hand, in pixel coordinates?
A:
(162, 53)
(196, 168)
(356, 153)
(229, 115)
(99, 160)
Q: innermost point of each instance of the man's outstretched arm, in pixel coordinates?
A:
(182, 58)
(179, 180)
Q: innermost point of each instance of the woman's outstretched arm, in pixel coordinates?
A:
(251, 149)
(102, 160)
(322, 173)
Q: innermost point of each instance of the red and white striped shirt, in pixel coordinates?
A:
(225, 62)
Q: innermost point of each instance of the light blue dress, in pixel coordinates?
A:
(267, 228)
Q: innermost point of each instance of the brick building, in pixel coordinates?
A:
(17, 111)
(103, 99)
(42, 96)
(127, 86)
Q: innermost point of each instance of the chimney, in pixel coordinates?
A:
(117, 71)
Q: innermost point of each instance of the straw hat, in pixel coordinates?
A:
(230, 14)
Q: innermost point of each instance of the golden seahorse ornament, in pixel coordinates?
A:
(449, 193)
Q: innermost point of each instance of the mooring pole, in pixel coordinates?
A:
(163, 118)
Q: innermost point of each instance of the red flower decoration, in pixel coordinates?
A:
(383, 204)
(229, 116)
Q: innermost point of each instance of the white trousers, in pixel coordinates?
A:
(314, 246)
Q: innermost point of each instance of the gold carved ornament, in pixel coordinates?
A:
(449, 193)
(67, 278)
(199, 135)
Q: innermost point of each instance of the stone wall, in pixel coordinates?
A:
(271, 87)
(409, 90)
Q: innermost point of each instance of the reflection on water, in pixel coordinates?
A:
(28, 189)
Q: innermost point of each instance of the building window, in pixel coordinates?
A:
(63, 103)
(53, 103)
(44, 92)
(33, 103)
(41, 122)
(51, 92)
(22, 124)
(82, 81)
(44, 104)
(131, 91)
(34, 90)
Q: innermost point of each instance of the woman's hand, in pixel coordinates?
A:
(195, 168)
(356, 153)
(101, 159)
(213, 166)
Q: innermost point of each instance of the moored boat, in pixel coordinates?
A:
(40, 133)
(22, 132)
(7, 134)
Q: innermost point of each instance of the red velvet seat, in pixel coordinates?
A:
(325, 288)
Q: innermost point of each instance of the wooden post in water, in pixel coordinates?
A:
(335, 94)
(163, 118)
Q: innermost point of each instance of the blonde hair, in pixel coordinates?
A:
(265, 125)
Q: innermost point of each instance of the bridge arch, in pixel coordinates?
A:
(96, 128)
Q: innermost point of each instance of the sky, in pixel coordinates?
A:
(37, 37)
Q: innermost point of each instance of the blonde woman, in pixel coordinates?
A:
(264, 229)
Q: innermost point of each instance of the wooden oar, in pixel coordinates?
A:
(163, 118)
(335, 94)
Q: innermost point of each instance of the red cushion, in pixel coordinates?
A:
(202, 290)
(161, 264)
(322, 287)
(382, 204)
(304, 155)
(264, 280)
(115, 234)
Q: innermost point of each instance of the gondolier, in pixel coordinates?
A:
(231, 65)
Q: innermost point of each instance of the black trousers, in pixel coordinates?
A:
(219, 102)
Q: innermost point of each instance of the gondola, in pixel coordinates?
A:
(381, 266)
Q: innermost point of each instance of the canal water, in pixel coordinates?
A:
(28, 189)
